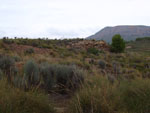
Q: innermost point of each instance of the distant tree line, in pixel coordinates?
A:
(142, 39)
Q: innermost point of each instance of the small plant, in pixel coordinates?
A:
(118, 44)
(69, 77)
(1, 74)
(14, 100)
(116, 67)
(124, 97)
(29, 51)
(93, 51)
(7, 65)
(102, 64)
(47, 72)
(16, 58)
(31, 73)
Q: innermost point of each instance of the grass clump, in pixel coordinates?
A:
(69, 77)
(135, 96)
(47, 72)
(62, 78)
(93, 51)
(31, 73)
(7, 66)
(99, 96)
(102, 64)
(29, 51)
(13, 100)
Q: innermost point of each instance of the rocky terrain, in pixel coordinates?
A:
(86, 44)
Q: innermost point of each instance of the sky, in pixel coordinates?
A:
(68, 18)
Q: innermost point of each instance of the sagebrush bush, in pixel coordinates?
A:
(93, 51)
(7, 65)
(31, 73)
(1, 74)
(48, 74)
(102, 64)
(116, 67)
(29, 51)
(69, 77)
(61, 77)
(16, 58)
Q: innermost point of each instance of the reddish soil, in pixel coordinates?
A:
(22, 48)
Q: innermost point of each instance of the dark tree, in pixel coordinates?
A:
(118, 44)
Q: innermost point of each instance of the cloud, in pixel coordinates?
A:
(69, 18)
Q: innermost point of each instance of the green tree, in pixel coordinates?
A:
(118, 44)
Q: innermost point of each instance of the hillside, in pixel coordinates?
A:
(140, 45)
(127, 32)
(60, 76)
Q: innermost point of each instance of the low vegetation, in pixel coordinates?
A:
(48, 76)
(13, 100)
(121, 97)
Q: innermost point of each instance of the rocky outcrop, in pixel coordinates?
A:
(85, 44)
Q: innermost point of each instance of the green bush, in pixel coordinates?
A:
(29, 51)
(31, 73)
(93, 51)
(7, 41)
(118, 44)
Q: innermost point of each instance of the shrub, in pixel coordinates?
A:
(31, 73)
(124, 97)
(47, 72)
(135, 96)
(13, 100)
(93, 98)
(93, 51)
(118, 44)
(1, 74)
(16, 58)
(61, 77)
(29, 51)
(7, 65)
(102, 64)
(7, 41)
(68, 77)
(116, 67)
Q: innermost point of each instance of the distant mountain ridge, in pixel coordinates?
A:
(127, 32)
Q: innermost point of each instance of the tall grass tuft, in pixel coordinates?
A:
(31, 73)
(99, 96)
(13, 100)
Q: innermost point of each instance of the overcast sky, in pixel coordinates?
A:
(68, 18)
